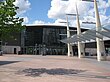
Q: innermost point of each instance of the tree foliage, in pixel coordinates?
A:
(9, 23)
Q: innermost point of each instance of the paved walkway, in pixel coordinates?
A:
(36, 68)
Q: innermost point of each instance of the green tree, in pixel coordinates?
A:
(9, 23)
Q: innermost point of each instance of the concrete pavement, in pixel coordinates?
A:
(37, 68)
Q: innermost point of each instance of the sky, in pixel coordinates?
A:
(53, 11)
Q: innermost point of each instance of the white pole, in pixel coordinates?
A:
(100, 43)
(81, 51)
(70, 49)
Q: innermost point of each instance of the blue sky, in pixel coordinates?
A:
(39, 10)
(53, 11)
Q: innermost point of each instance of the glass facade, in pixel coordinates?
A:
(52, 37)
(45, 39)
(33, 36)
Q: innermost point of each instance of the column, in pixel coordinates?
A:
(101, 55)
(70, 49)
(81, 46)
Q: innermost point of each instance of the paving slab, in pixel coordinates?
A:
(37, 68)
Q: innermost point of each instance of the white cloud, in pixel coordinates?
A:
(109, 2)
(89, 19)
(38, 22)
(26, 20)
(59, 8)
(23, 5)
(57, 22)
(102, 4)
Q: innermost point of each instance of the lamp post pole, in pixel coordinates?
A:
(70, 49)
(81, 46)
(100, 43)
(81, 51)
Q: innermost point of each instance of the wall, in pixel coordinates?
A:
(10, 49)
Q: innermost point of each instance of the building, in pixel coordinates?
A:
(39, 39)
(45, 39)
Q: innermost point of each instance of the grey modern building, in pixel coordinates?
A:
(36, 39)
(45, 39)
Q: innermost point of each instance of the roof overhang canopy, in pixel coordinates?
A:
(89, 35)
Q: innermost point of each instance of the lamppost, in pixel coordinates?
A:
(70, 49)
(100, 43)
(81, 46)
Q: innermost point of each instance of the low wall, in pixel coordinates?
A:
(11, 49)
